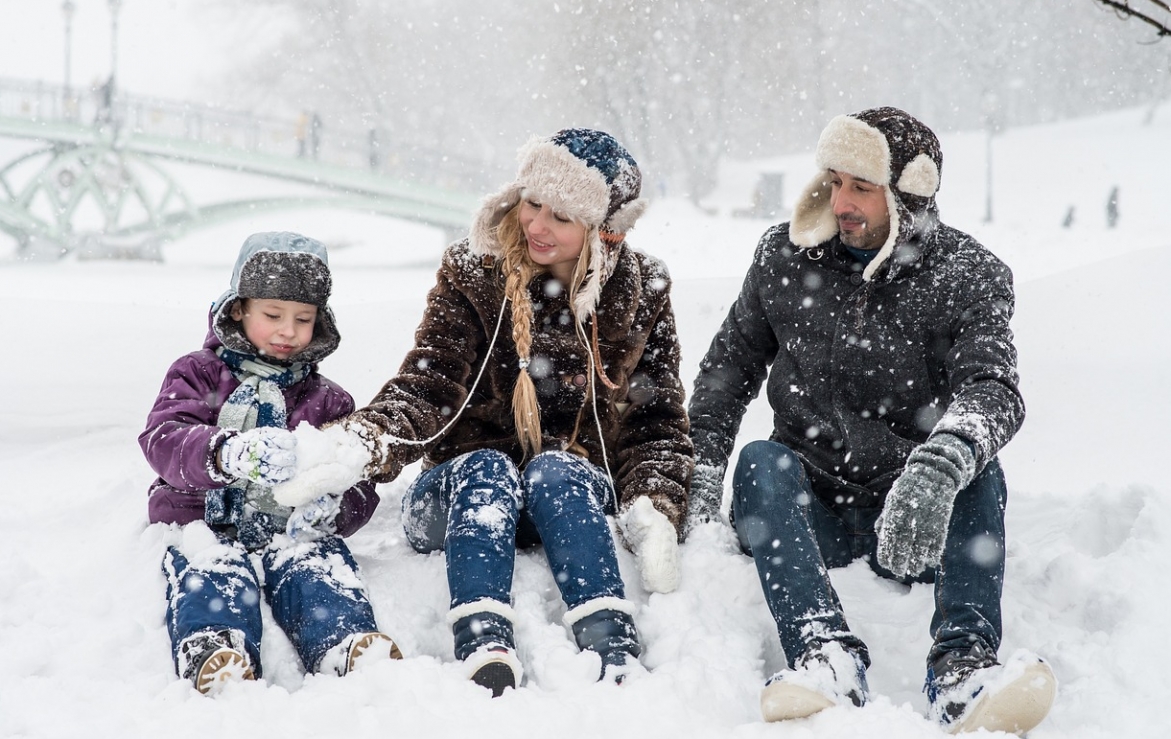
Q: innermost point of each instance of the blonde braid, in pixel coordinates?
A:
(519, 271)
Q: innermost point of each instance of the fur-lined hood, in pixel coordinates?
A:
(279, 266)
(885, 146)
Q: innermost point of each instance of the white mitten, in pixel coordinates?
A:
(655, 544)
(264, 455)
(329, 461)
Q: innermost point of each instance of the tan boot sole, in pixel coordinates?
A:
(373, 640)
(784, 701)
(1016, 708)
(223, 666)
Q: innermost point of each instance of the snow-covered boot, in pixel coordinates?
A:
(971, 690)
(828, 674)
(212, 659)
(357, 650)
(606, 626)
(485, 643)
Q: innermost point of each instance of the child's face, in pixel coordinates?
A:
(278, 328)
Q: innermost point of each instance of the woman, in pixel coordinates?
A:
(544, 390)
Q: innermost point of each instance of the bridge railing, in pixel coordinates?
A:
(296, 136)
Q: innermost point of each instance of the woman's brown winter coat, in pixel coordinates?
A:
(644, 423)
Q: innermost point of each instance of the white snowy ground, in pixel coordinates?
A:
(83, 649)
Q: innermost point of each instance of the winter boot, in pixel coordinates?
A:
(970, 690)
(826, 675)
(606, 626)
(212, 659)
(357, 650)
(484, 642)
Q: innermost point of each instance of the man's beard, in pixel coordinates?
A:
(866, 238)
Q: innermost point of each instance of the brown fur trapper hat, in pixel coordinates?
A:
(280, 266)
(888, 147)
(581, 173)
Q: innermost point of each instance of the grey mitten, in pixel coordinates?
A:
(314, 519)
(264, 455)
(913, 525)
(706, 496)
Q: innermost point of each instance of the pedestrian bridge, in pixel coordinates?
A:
(101, 184)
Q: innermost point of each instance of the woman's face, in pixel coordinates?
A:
(554, 240)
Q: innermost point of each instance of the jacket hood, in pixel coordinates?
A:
(279, 266)
(885, 146)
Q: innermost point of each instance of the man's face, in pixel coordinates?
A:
(860, 207)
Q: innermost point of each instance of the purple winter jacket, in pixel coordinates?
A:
(181, 437)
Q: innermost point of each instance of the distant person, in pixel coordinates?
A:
(104, 95)
(1112, 208)
(218, 436)
(374, 149)
(314, 135)
(301, 132)
(543, 394)
(884, 336)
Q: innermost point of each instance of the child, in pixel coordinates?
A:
(218, 437)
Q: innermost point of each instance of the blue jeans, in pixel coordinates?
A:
(479, 508)
(313, 590)
(795, 538)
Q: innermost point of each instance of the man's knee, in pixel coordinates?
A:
(768, 471)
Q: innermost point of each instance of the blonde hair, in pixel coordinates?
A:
(519, 270)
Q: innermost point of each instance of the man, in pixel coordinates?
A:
(892, 377)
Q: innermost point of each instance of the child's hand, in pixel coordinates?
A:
(314, 519)
(262, 455)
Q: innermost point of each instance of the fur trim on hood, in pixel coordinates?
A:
(280, 266)
(885, 146)
(581, 173)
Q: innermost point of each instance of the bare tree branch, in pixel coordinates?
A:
(1122, 8)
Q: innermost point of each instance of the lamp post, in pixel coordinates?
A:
(991, 106)
(67, 9)
(115, 6)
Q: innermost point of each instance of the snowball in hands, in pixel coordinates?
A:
(654, 542)
(329, 461)
(263, 455)
(913, 525)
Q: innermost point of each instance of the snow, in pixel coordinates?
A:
(83, 644)
(328, 461)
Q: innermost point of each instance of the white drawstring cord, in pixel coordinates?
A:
(471, 391)
(597, 418)
(480, 374)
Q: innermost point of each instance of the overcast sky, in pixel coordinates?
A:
(165, 47)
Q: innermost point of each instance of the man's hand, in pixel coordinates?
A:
(706, 496)
(913, 525)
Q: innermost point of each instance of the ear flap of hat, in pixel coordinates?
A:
(813, 220)
(482, 237)
(625, 217)
(920, 177)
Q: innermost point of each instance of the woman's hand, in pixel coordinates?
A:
(655, 544)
